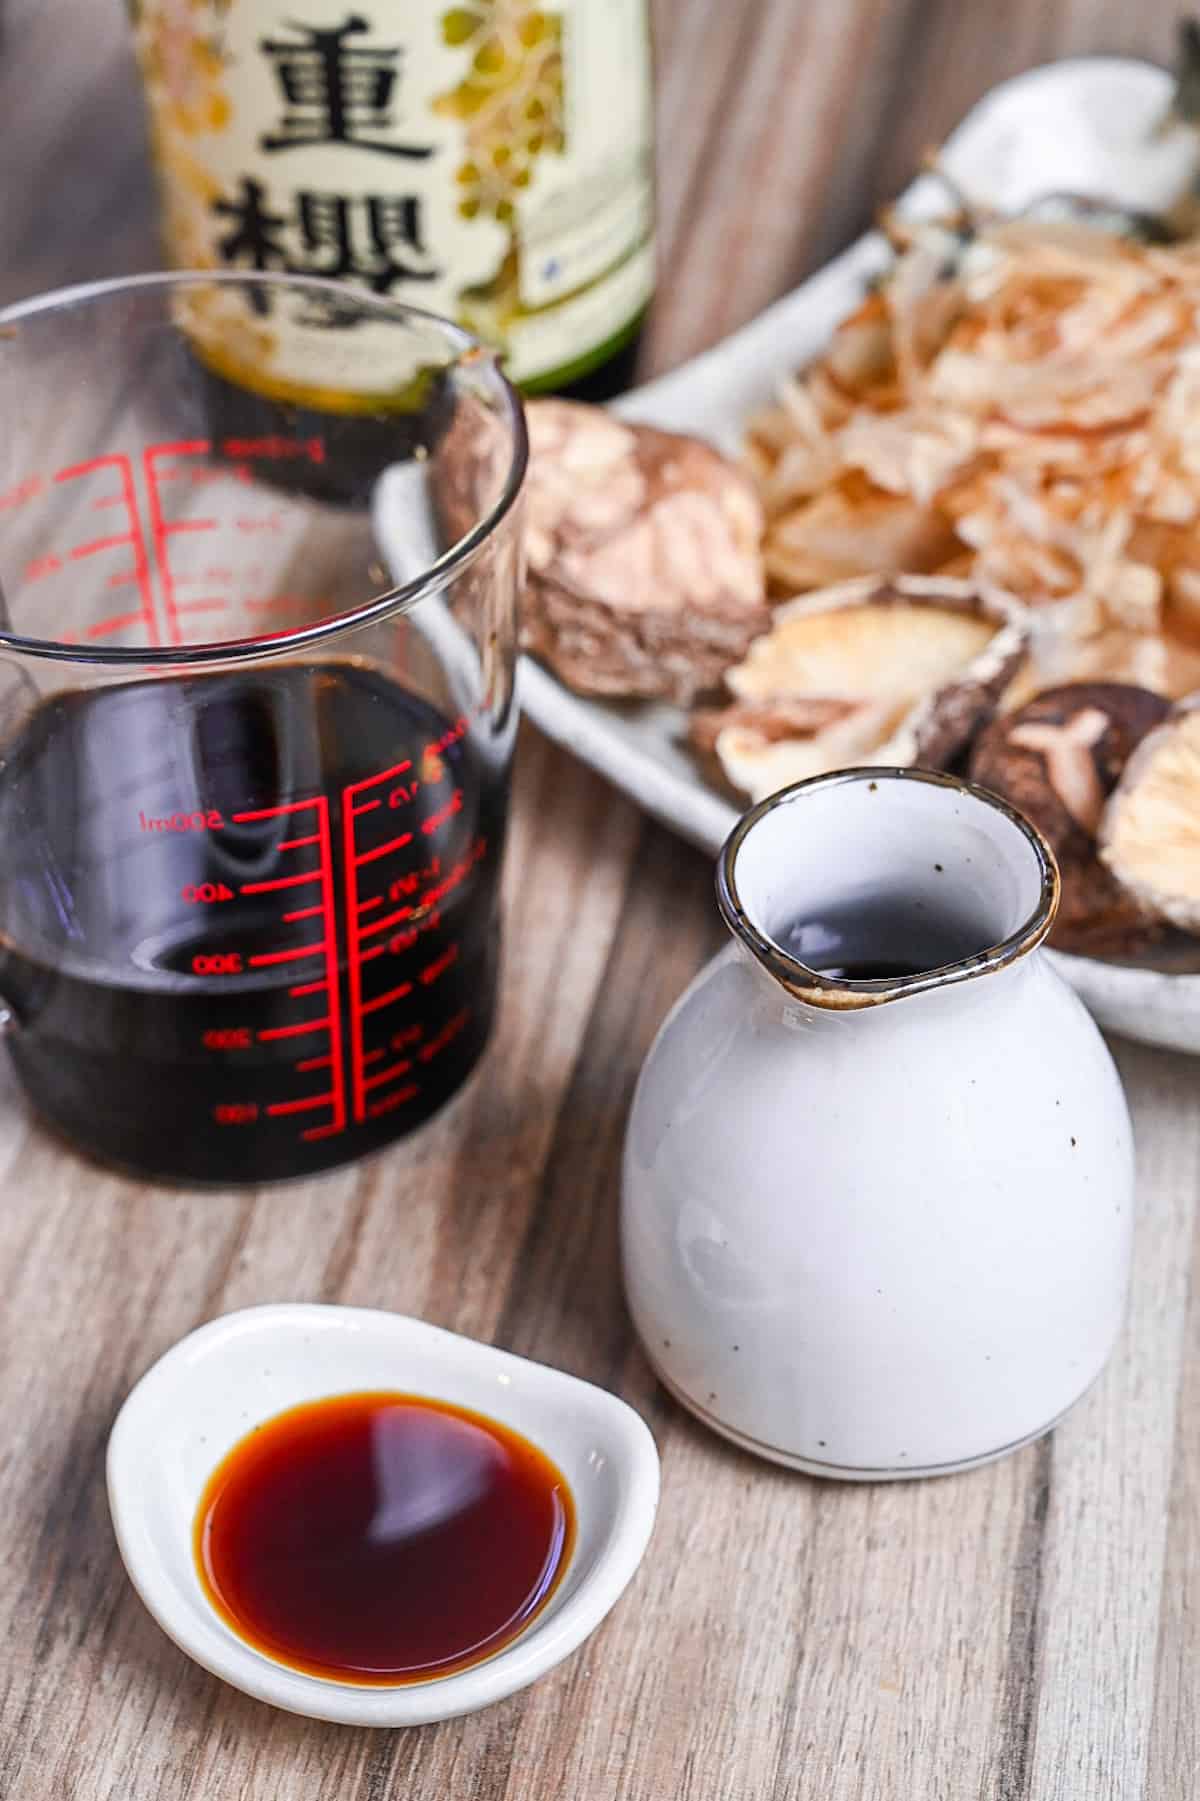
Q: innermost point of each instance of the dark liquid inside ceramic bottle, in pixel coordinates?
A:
(879, 941)
(248, 923)
(382, 1538)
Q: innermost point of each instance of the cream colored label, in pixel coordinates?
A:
(489, 161)
(549, 340)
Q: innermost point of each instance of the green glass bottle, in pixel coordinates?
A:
(490, 161)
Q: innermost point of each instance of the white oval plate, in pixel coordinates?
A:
(215, 1385)
(1079, 125)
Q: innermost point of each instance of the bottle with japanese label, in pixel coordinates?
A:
(490, 161)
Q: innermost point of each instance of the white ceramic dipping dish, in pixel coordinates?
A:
(215, 1385)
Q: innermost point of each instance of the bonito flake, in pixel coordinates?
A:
(1021, 410)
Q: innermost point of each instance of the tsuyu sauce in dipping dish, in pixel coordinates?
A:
(382, 1538)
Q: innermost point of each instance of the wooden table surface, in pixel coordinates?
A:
(1030, 1630)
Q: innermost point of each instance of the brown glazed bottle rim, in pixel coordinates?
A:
(838, 993)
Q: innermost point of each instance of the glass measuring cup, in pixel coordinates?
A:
(256, 720)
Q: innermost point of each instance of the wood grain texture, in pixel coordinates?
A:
(1025, 1633)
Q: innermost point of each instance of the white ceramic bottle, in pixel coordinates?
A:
(877, 1228)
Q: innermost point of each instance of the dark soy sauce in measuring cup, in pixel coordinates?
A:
(248, 923)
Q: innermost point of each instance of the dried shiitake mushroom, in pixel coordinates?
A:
(894, 671)
(1150, 829)
(1058, 759)
(645, 576)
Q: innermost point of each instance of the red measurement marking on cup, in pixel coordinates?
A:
(317, 1037)
(131, 540)
(291, 604)
(366, 1063)
(385, 999)
(176, 476)
(369, 868)
(452, 1029)
(30, 489)
(162, 529)
(144, 533)
(276, 449)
